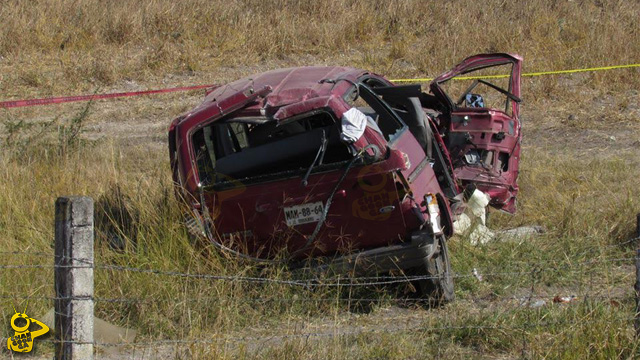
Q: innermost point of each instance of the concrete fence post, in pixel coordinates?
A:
(73, 278)
(636, 287)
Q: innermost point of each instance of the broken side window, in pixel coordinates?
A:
(242, 148)
(372, 105)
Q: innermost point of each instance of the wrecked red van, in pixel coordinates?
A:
(341, 168)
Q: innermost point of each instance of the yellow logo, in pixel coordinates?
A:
(22, 339)
(375, 196)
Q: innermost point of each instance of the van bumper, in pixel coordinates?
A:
(419, 248)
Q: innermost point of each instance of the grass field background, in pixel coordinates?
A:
(579, 172)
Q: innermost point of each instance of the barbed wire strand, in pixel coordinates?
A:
(27, 253)
(521, 298)
(337, 282)
(491, 299)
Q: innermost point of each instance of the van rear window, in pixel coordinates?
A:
(240, 148)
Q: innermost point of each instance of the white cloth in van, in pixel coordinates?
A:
(354, 122)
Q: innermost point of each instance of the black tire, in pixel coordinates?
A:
(438, 290)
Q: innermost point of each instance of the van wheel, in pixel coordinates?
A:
(439, 289)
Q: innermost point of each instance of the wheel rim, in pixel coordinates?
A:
(444, 269)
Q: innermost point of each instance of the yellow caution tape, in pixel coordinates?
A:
(539, 73)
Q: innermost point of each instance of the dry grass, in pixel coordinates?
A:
(582, 215)
(575, 181)
(60, 45)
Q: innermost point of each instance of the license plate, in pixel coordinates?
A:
(303, 214)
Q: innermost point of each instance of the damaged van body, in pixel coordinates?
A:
(483, 131)
(338, 168)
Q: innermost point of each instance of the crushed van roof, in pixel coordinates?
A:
(288, 86)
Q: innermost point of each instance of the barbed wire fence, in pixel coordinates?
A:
(506, 302)
(73, 341)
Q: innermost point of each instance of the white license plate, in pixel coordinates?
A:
(303, 213)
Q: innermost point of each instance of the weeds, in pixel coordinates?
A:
(69, 132)
(36, 138)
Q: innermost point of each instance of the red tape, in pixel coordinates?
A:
(66, 99)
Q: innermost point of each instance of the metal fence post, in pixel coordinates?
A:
(73, 278)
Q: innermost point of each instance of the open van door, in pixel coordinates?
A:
(481, 125)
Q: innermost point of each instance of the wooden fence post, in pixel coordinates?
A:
(73, 278)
